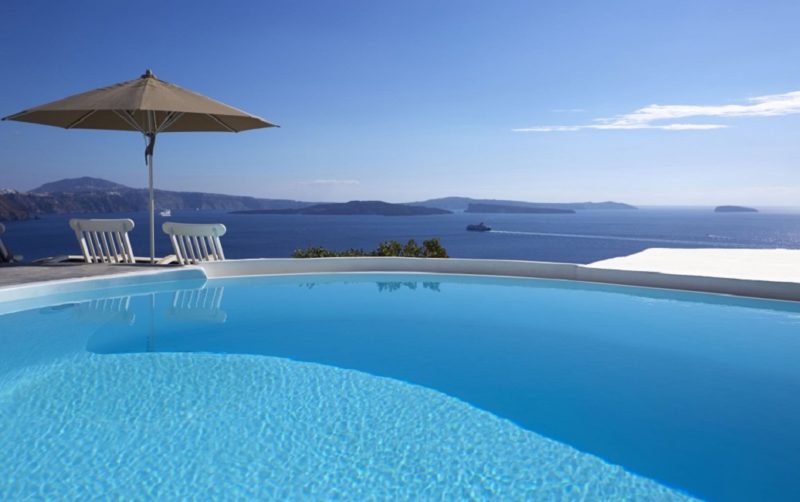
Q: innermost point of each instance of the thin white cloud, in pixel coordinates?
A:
(332, 182)
(655, 116)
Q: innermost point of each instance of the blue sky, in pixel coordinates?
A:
(409, 100)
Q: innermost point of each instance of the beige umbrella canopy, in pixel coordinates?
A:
(147, 105)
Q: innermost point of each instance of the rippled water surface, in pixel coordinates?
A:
(400, 386)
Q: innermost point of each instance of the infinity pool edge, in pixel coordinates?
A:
(29, 293)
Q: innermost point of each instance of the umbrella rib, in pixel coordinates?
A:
(128, 118)
(172, 117)
(220, 122)
(81, 119)
(160, 127)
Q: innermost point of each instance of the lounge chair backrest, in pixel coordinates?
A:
(5, 256)
(104, 241)
(195, 242)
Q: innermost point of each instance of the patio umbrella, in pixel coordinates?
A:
(147, 105)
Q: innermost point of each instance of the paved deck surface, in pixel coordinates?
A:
(782, 265)
(23, 274)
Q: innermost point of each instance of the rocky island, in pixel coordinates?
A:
(458, 204)
(355, 207)
(498, 208)
(734, 209)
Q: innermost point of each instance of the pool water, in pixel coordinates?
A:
(370, 386)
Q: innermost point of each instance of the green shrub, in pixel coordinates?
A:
(352, 252)
(412, 249)
(388, 248)
(312, 252)
(431, 248)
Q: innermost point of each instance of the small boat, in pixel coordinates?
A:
(166, 213)
(480, 227)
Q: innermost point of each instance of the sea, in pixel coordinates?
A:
(583, 237)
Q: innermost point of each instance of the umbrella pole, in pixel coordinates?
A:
(152, 214)
(152, 204)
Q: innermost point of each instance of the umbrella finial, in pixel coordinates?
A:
(148, 73)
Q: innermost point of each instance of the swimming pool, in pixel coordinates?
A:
(400, 386)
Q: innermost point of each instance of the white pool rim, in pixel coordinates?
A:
(30, 294)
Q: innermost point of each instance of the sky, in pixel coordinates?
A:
(664, 102)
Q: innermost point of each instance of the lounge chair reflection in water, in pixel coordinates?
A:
(160, 324)
(106, 310)
(198, 305)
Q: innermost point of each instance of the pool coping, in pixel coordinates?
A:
(764, 289)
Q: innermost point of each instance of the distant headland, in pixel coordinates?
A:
(458, 204)
(499, 208)
(355, 207)
(734, 209)
(95, 195)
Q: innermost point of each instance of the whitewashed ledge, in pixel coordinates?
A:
(767, 287)
(770, 274)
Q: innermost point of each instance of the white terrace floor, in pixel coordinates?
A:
(780, 265)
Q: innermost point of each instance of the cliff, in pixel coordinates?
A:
(94, 195)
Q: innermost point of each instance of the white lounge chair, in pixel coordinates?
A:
(5, 254)
(104, 241)
(196, 242)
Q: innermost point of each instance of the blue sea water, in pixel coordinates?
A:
(401, 386)
(583, 237)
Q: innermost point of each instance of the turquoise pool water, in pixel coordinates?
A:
(392, 387)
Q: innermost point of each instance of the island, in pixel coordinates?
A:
(734, 209)
(354, 207)
(460, 204)
(498, 208)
